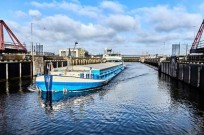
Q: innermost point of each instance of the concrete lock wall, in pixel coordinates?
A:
(26, 69)
(202, 77)
(54, 64)
(162, 67)
(166, 68)
(173, 67)
(60, 64)
(64, 63)
(180, 72)
(186, 73)
(10, 70)
(192, 74)
(38, 65)
(2, 71)
(13, 70)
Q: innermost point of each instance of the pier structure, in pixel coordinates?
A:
(15, 68)
(190, 72)
(18, 65)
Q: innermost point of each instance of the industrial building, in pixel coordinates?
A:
(77, 52)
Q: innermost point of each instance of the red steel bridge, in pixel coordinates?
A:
(15, 46)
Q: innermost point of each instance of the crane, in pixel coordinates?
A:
(195, 48)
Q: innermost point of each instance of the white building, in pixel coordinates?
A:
(77, 52)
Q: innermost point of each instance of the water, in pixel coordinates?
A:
(137, 101)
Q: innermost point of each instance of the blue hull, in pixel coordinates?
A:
(69, 86)
(79, 85)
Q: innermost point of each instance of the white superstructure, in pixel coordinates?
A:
(110, 56)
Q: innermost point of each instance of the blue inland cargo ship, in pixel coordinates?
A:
(81, 77)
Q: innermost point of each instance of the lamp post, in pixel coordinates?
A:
(43, 41)
(73, 50)
(75, 45)
(31, 38)
(164, 48)
(31, 34)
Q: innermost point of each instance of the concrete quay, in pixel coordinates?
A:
(15, 69)
(189, 70)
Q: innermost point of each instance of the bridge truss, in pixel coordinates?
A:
(15, 47)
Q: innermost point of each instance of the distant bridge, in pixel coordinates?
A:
(132, 58)
(126, 56)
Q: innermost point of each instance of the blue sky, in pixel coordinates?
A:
(127, 26)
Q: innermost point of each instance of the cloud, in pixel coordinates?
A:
(75, 1)
(113, 6)
(201, 8)
(74, 6)
(62, 31)
(20, 14)
(34, 13)
(77, 8)
(43, 4)
(64, 28)
(156, 38)
(166, 19)
(121, 22)
(84, 10)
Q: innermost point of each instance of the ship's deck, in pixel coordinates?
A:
(99, 66)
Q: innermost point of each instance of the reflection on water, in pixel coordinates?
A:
(59, 96)
(137, 101)
(183, 93)
(56, 100)
(15, 85)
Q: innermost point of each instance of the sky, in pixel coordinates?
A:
(130, 27)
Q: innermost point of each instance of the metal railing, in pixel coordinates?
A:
(10, 45)
(201, 44)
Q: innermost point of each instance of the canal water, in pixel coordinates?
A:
(137, 101)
